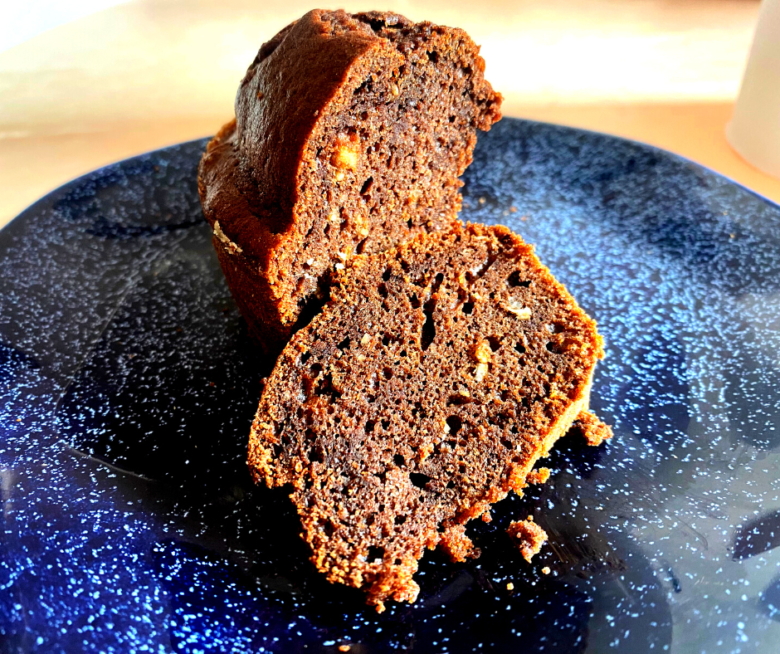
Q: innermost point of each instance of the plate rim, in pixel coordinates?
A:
(507, 119)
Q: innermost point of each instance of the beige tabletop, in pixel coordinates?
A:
(150, 73)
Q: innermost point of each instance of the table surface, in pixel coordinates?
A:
(151, 73)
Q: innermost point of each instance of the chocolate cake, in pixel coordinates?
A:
(426, 389)
(350, 134)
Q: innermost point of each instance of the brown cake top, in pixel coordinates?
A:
(351, 132)
(427, 388)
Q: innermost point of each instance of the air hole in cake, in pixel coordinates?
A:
(400, 519)
(385, 424)
(316, 369)
(327, 388)
(369, 426)
(520, 348)
(429, 328)
(399, 460)
(418, 479)
(507, 444)
(344, 344)
(459, 400)
(387, 274)
(495, 343)
(454, 423)
(388, 373)
(415, 301)
(375, 553)
(514, 280)
(382, 290)
(305, 357)
(387, 339)
(366, 188)
(468, 307)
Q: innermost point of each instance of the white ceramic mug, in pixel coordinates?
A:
(754, 131)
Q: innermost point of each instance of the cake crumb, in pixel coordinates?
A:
(545, 570)
(594, 431)
(538, 476)
(530, 537)
(510, 586)
(344, 648)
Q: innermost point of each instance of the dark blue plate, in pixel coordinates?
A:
(128, 383)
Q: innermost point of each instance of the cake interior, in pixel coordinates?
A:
(385, 158)
(424, 392)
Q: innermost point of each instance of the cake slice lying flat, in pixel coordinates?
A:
(432, 381)
(351, 132)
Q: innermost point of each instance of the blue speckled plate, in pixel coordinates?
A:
(127, 386)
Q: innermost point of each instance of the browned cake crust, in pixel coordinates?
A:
(434, 378)
(350, 135)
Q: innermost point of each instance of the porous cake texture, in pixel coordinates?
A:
(350, 135)
(426, 389)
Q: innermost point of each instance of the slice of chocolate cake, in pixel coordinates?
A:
(426, 389)
(350, 134)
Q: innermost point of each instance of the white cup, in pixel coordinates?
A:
(754, 131)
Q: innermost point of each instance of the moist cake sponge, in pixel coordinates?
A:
(426, 389)
(350, 135)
